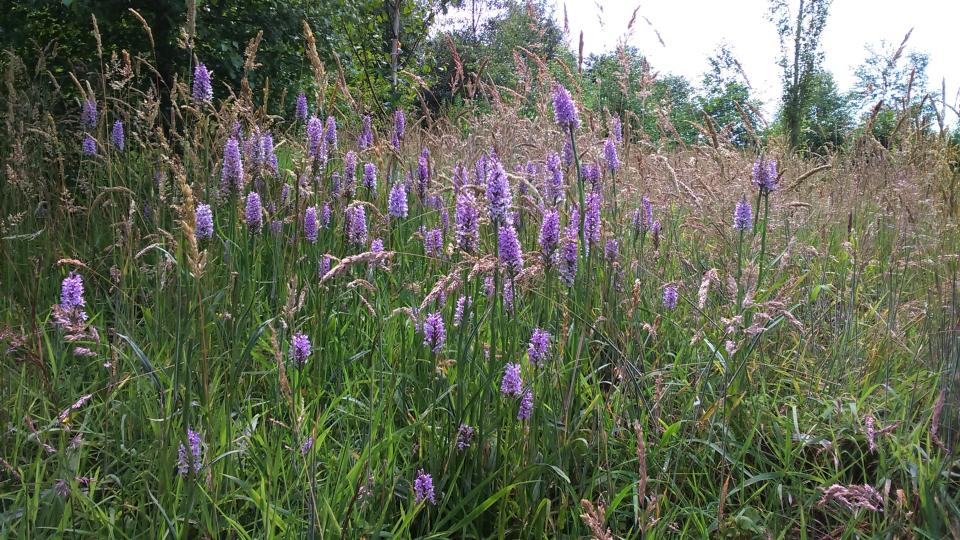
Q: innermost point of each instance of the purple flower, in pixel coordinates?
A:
(192, 458)
(610, 153)
(567, 154)
(617, 129)
(526, 406)
(670, 297)
(71, 292)
(444, 215)
(647, 221)
(254, 212)
(232, 173)
(324, 266)
(433, 243)
(335, 184)
(202, 89)
(366, 135)
(568, 258)
(549, 236)
(488, 286)
(638, 225)
(467, 222)
(399, 126)
(377, 247)
(325, 215)
(300, 348)
(591, 220)
(765, 174)
(88, 114)
(251, 150)
(268, 157)
(204, 221)
(423, 173)
(498, 195)
(742, 218)
(591, 172)
(462, 303)
(310, 225)
(370, 176)
(306, 446)
(117, 135)
(564, 109)
(508, 296)
(331, 134)
(356, 223)
(423, 488)
(511, 257)
(611, 251)
(434, 334)
(464, 437)
(655, 230)
(89, 145)
(397, 203)
(512, 383)
(316, 141)
(539, 348)
(350, 174)
(303, 109)
(554, 189)
(276, 226)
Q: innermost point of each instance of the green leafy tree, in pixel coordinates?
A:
(800, 57)
(489, 43)
(827, 120)
(373, 41)
(661, 107)
(896, 76)
(892, 84)
(725, 98)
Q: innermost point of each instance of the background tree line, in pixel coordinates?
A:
(395, 53)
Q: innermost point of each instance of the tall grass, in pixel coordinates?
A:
(804, 360)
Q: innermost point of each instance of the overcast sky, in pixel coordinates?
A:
(692, 29)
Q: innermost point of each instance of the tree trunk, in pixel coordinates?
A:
(793, 105)
(395, 52)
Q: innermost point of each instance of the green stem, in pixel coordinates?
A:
(763, 238)
(740, 272)
(576, 160)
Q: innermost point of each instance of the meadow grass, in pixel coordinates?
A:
(804, 385)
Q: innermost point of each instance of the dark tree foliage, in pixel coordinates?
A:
(489, 44)
(355, 35)
(624, 84)
(827, 121)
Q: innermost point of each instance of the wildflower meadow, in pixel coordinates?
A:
(266, 313)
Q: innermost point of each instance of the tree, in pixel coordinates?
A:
(896, 76)
(827, 121)
(360, 36)
(725, 97)
(623, 82)
(891, 85)
(800, 57)
(489, 42)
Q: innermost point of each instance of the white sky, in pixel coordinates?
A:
(692, 29)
